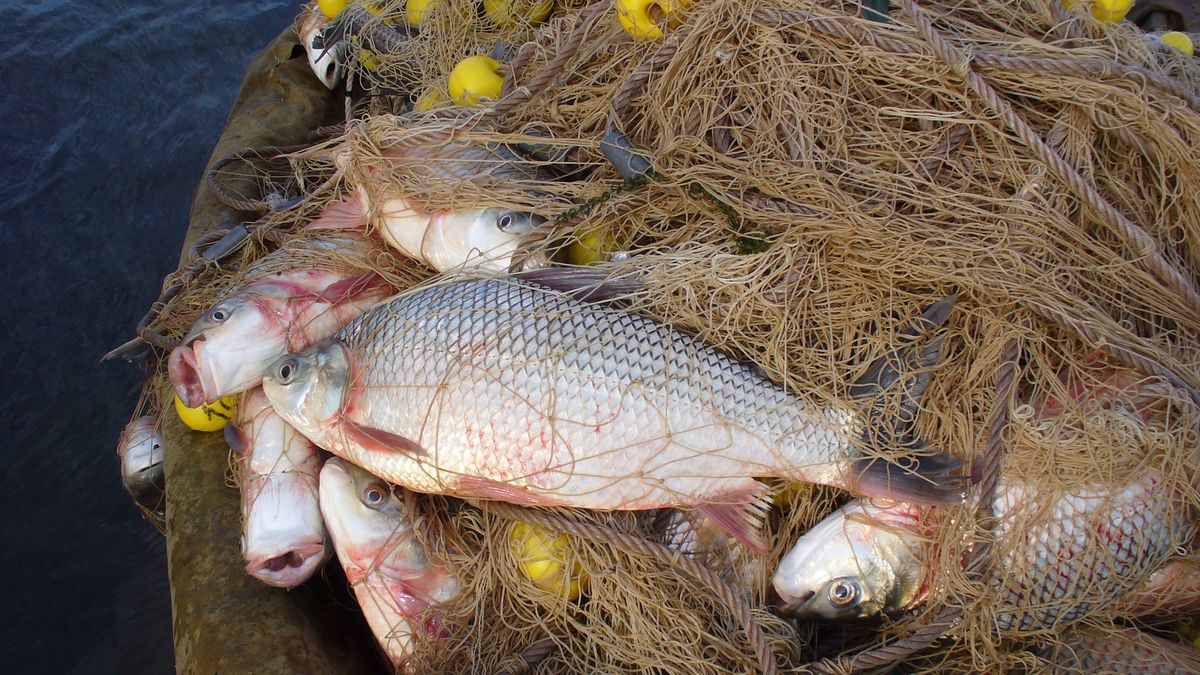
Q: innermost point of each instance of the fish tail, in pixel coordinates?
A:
(923, 475)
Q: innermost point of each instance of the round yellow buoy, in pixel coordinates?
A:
(645, 19)
(208, 416)
(541, 555)
(505, 13)
(331, 8)
(592, 246)
(368, 60)
(475, 77)
(1108, 11)
(415, 10)
(1179, 41)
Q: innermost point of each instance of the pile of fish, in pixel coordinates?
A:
(539, 388)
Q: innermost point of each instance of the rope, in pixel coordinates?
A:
(1092, 68)
(638, 546)
(1130, 234)
(265, 153)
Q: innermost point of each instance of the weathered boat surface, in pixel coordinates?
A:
(224, 620)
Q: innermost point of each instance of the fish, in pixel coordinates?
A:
(325, 60)
(393, 578)
(229, 346)
(283, 537)
(502, 389)
(1092, 546)
(483, 237)
(1121, 650)
(141, 451)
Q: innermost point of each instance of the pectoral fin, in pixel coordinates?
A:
(352, 287)
(743, 517)
(378, 440)
(348, 214)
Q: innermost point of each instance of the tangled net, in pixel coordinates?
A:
(817, 178)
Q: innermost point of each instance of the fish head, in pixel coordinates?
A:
(226, 350)
(325, 60)
(858, 562)
(484, 237)
(141, 451)
(308, 388)
(283, 536)
(371, 527)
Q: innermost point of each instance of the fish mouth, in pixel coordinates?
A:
(288, 568)
(796, 607)
(184, 369)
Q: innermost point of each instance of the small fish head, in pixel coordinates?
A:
(141, 451)
(324, 59)
(369, 524)
(308, 389)
(283, 537)
(226, 350)
(852, 565)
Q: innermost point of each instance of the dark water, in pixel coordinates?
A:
(109, 111)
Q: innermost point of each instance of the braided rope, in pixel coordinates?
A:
(1130, 234)
(638, 546)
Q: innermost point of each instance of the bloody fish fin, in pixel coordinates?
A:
(483, 488)
(926, 480)
(352, 287)
(236, 439)
(587, 284)
(743, 518)
(379, 440)
(348, 214)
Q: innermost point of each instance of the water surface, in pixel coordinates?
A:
(108, 112)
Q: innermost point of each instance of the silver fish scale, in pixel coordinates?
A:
(1090, 550)
(586, 405)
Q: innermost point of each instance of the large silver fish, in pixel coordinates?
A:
(283, 536)
(498, 389)
(393, 579)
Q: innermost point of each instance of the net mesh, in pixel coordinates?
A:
(818, 180)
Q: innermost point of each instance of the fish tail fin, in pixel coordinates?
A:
(923, 475)
(348, 214)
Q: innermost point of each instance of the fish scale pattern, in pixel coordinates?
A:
(576, 403)
(1093, 548)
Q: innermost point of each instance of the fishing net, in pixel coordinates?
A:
(816, 179)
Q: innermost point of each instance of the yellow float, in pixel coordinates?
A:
(541, 555)
(208, 416)
(475, 78)
(645, 19)
(506, 13)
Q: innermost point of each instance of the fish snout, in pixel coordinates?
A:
(184, 368)
(289, 566)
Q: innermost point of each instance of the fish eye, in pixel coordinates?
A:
(374, 495)
(219, 315)
(286, 372)
(843, 592)
(505, 222)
